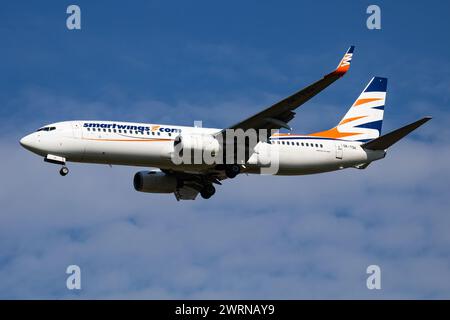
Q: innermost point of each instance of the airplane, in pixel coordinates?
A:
(354, 142)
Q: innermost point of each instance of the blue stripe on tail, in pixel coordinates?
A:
(372, 125)
(378, 84)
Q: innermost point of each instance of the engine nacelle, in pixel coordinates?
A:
(194, 146)
(154, 182)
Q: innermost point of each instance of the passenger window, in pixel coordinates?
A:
(307, 144)
(104, 130)
(317, 145)
(297, 143)
(321, 145)
(115, 130)
(303, 144)
(170, 134)
(153, 133)
(88, 129)
(120, 131)
(159, 133)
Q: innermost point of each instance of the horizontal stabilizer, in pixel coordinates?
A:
(387, 140)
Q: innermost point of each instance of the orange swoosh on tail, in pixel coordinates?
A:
(362, 101)
(351, 119)
(333, 133)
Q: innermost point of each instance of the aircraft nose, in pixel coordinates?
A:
(24, 142)
(27, 142)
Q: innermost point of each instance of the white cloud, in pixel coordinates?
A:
(259, 237)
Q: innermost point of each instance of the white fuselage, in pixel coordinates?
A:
(151, 145)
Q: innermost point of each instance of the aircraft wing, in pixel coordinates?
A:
(278, 115)
(274, 117)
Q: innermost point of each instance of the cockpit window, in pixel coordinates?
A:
(46, 129)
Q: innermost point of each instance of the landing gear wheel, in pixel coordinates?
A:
(232, 171)
(208, 191)
(64, 171)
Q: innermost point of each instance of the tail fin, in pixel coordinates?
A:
(364, 119)
(387, 140)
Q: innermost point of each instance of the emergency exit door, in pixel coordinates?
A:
(339, 150)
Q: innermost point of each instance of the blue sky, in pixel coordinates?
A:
(259, 237)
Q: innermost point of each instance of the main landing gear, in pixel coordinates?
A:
(207, 191)
(232, 171)
(64, 171)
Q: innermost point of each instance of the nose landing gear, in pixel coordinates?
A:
(64, 171)
(58, 160)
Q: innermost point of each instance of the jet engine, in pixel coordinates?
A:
(155, 182)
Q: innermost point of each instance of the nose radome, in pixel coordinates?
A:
(27, 142)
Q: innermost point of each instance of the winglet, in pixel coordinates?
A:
(344, 65)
